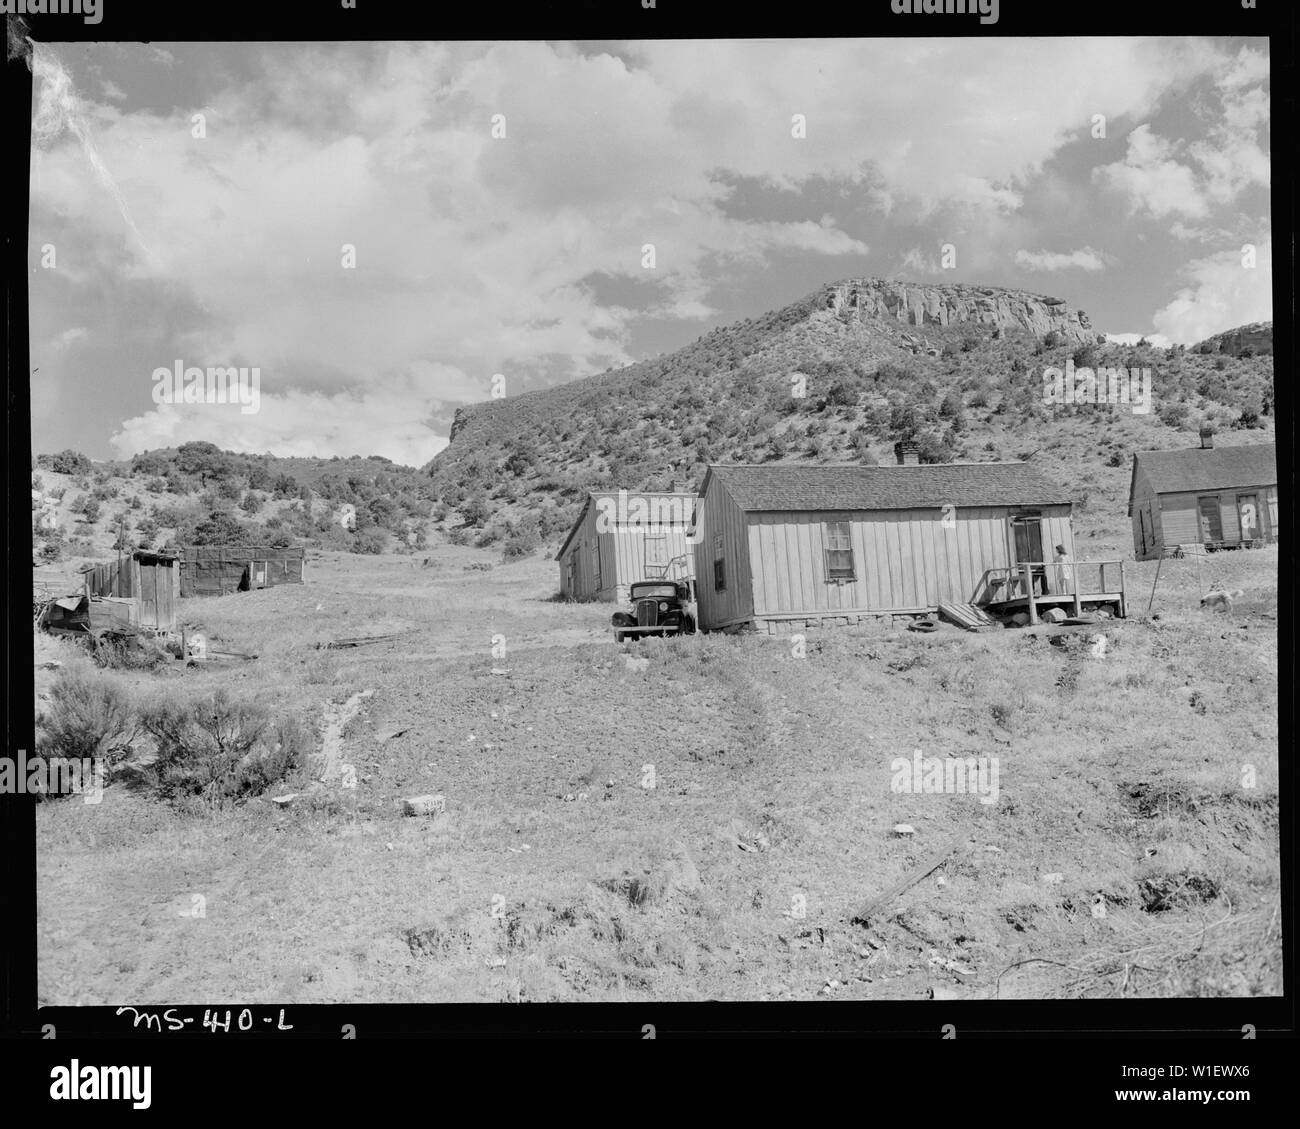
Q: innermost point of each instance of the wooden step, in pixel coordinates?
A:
(968, 616)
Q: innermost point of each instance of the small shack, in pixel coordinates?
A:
(216, 570)
(1218, 497)
(621, 537)
(787, 545)
(143, 587)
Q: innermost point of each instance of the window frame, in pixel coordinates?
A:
(837, 540)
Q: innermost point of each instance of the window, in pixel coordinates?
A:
(719, 575)
(839, 551)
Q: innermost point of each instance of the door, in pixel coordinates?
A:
(656, 555)
(1248, 516)
(1211, 519)
(1027, 539)
(149, 596)
(1144, 523)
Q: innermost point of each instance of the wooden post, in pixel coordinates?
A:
(1123, 599)
(1078, 604)
(1028, 574)
(1160, 562)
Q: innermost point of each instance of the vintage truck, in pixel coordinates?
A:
(659, 607)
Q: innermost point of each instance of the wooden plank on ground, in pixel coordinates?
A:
(876, 905)
(967, 616)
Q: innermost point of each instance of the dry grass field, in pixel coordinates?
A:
(1132, 850)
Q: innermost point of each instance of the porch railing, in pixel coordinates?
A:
(1072, 583)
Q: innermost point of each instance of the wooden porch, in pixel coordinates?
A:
(1039, 584)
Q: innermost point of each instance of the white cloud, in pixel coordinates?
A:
(1085, 259)
(393, 418)
(1157, 340)
(1222, 294)
(1152, 180)
(471, 252)
(1218, 167)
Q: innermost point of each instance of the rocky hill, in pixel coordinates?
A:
(949, 306)
(841, 375)
(1244, 341)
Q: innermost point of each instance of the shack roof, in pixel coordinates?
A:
(775, 487)
(240, 553)
(1208, 468)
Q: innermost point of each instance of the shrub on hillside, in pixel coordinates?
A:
(151, 463)
(65, 462)
(372, 539)
(219, 749)
(218, 528)
(87, 506)
(90, 716)
(521, 543)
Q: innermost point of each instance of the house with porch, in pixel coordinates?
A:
(783, 546)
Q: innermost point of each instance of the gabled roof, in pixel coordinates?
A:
(594, 494)
(769, 486)
(1215, 468)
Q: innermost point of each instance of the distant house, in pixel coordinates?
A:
(787, 544)
(214, 570)
(624, 536)
(1219, 497)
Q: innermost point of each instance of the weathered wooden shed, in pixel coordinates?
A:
(788, 544)
(215, 570)
(1219, 497)
(624, 536)
(149, 580)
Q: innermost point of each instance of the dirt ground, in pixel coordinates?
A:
(703, 824)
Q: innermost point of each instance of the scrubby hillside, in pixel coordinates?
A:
(199, 494)
(957, 368)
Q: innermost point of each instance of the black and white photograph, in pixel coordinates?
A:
(664, 520)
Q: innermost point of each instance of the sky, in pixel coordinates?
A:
(383, 229)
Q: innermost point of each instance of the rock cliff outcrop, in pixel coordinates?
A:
(919, 306)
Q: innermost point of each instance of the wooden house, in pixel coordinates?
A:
(624, 536)
(215, 570)
(145, 583)
(784, 545)
(1219, 497)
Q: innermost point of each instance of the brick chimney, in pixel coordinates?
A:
(1207, 438)
(908, 453)
(680, 487)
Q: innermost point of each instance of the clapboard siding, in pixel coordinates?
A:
(1167, 486)
(903, 559)
(722, 529)
(1146, 512)
(629, 551)
(622, 549)
(581, 582)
